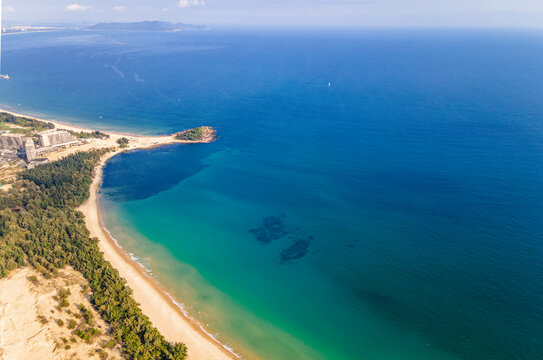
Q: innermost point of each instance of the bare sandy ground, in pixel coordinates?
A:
(29, 327)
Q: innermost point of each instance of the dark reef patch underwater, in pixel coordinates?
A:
(274, 228)
(297, 250)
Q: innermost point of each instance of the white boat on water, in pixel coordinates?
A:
(6, 77)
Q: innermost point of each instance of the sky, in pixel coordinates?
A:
(363, 13)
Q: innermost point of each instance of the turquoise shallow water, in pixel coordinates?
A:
(394, 215)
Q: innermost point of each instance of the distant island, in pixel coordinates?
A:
(158, 26)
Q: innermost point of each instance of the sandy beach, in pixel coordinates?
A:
(154, 301)
(58, 124)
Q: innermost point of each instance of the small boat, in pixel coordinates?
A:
(329, 84)
(6, 77)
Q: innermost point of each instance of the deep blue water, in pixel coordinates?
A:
(407, 197)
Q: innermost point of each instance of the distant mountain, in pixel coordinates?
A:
(161, 26)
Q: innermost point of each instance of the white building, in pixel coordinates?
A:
(11, 141)
(56, 138)
(30, 150)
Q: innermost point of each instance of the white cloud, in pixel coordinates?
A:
(77, 7)
(10, 9)
(189, 3)
(119, 8)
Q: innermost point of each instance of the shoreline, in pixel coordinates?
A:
(155, 301)
(56, 123)
(68, 126)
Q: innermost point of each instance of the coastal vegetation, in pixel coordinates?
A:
(89, 134)
(28, 126)
(195, 134)
(123, 142)
(22, 125)
(40, 226)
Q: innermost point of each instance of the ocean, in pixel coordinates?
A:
(396, 213)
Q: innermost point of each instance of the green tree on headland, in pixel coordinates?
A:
(192, 134)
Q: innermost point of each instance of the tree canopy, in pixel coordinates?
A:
(40, 226)
(33, 124)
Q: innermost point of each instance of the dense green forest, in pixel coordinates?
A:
(33, 124)
(40, 226)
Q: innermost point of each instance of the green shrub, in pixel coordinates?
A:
(87, 334)
(109, 344)
(89, 134)
(123, 142)
(102, 354)
(87, 314)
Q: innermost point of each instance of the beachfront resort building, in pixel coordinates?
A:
(56, 138)
(11, 141)
(14, 146)
(30, 150)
